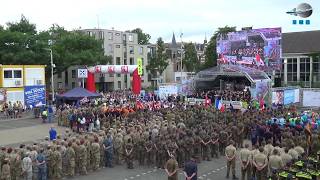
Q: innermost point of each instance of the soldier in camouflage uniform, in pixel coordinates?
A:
(82, 158)
(140, 150)
(50, 161)
(206, 148)
(214, 145)
(57, 166)
(118, 148)
(95, 154)
(129, 154)
(70, 157)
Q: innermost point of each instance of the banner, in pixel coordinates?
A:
(234, 104)
(311, 98)
(34, 96)
(3, 97)
(278, 97)
(140, 66)
(167, 90)
(289, 97)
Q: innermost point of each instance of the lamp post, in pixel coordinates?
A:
(52, 66)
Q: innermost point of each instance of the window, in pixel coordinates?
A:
(118, 61)
(305, 69)
(89, 33)
(131, 49)
(125, 61)
(17, 74)
(101, 35)
(117, 46)
(131, 61)
(7, 74)
(140, 50)
(117, 34)
(118, 75)
(124, 37)
(111, 75)
(142, 60)
(119, 84)
(73, 85)
(110, 48)
(59, 85)
(130, 37)
(110, 35)
(292, 69)
(125, 78)
(73, 73)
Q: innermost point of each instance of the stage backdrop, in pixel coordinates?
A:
(258, 48)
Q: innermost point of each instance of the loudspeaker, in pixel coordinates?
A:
(277, 82)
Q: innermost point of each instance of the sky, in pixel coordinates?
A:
(160, 18)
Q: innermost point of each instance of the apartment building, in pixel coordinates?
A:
(124, 49)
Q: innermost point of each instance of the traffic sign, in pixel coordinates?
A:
(82, 73)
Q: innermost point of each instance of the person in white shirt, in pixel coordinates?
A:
(27, 167)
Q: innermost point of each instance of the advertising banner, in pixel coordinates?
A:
(34, 96)
(167, 90)
(278, 97)
(289, 97)
(311, 98)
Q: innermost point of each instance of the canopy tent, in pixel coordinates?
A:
(77, 94)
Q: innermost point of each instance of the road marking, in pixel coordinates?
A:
(154, 170)
(125, 179)
(209, 173)
(204, 175)
(138, 175)
(213, 171)
(149, 171)
(200, 177)
(144, 173)
(218, 169)
(131, 177)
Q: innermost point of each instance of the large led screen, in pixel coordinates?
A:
(256, 48)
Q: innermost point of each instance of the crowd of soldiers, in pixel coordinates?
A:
(150, 138)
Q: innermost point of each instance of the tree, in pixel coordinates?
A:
(143, 38)
(23, 26)
(190, 60)
(159, 62)
(211, 53)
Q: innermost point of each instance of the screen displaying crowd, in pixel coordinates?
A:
(257, 48)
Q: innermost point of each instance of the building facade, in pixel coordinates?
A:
(124, 49)
(173, 72)
(301, 61)
(15, 79)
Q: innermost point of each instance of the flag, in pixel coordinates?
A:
(219, 104)
(207, 101)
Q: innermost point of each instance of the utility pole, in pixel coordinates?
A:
(181, 53)
(52, 83)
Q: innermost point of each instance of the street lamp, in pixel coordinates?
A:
(52, 66)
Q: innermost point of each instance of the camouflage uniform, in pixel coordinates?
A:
(70, 156)
(95, 155)
(83, 159)
(57, 166)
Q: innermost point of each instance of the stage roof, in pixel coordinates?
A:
(233, 71)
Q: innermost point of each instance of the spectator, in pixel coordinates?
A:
(191, 169)
(53, 134)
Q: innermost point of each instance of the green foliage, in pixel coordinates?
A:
(159, 62)
(20, 43)
(190, 60)
(211, 54)
(143, 38)
(24, 26)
